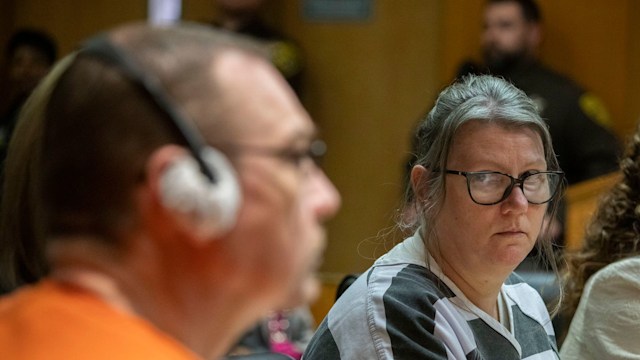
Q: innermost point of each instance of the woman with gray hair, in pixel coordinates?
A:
(485, 181)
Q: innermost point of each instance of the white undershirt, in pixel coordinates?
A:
(503, 313)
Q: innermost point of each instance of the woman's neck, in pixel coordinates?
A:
(478, 288)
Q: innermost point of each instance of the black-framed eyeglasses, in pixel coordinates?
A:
(492, 187)
(314, 151)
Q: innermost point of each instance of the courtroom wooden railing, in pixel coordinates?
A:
(581, 201)
(321, 306)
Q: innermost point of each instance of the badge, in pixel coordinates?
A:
(595, 109)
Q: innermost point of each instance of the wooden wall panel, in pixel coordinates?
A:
(632, 105)
(72, 21)
(198, 10)
(460, 41)
(593, 48)
(582, 200)
(366, 83)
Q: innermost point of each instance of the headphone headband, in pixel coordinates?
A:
(100, 47)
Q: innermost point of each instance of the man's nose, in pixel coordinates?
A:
(328, 198)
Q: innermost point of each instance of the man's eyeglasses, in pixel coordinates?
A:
(315, 151)
(492, 187)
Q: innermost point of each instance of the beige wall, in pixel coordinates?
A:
(593, 48)
(71, 21)
(366, 84)
(632, 105)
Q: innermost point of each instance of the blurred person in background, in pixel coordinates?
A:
(247, 17)
(29, 55)
(603, 278)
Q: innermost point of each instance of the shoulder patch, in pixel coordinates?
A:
(593, 107)
(286, 57)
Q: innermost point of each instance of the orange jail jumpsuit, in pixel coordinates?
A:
(53, 321)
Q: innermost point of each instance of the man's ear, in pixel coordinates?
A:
(419, 181)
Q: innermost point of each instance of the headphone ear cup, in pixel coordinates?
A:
(210, 207)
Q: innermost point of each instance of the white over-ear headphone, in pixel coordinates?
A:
(202, 189)
(210, 207)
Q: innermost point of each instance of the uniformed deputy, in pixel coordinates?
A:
(577, 119)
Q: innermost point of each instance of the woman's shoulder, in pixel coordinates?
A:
(622, 275)
(606, 321)
(625, 269)
(383, 305)
(407, 281)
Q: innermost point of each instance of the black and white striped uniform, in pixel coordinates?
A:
(403, 309)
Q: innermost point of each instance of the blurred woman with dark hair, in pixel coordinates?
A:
(603, 278)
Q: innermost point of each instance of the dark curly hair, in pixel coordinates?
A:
(614, 232)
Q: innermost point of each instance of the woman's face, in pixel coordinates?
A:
(489, 240)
